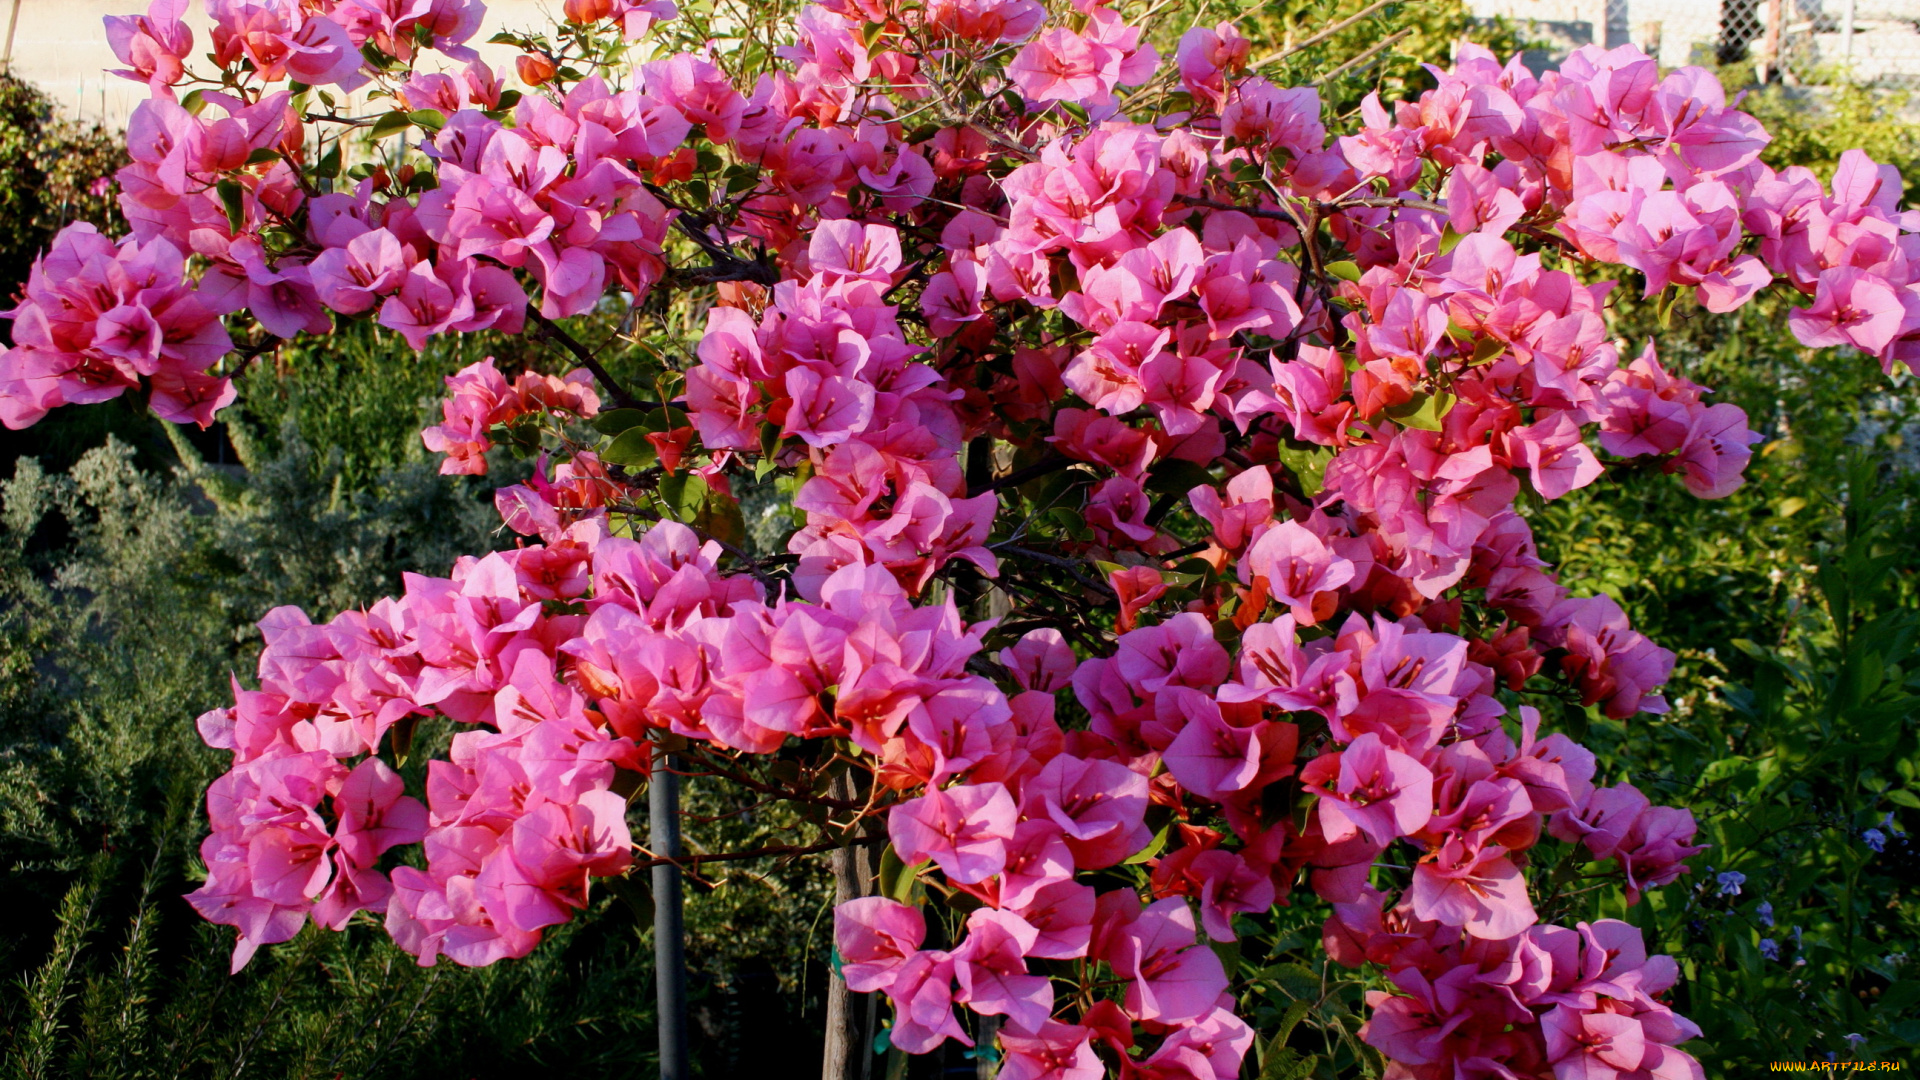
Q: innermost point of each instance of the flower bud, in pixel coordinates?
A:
(588, 11)
(533, 70)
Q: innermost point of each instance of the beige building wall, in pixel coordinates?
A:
(61, 46)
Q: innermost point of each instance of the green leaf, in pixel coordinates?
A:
(1287, 1063)
(1075, 110)
(1485, 350)
(1175, 476)
(719, 517)
(232, 197)
(263, 155)
(1450, 240)
(1153, 849)
(1282, 1061)
(667, 418)
(329, 166)
(631, 449)
(684, 494)
(389, 124)
(1898, 996)
(615, 421)
(508, 99)
(1345, 270)
(430, 119)
(1904, 797)
(1229, 954)
(1246, 172)
(1424, 412)
(897, 879)
(401, 736)
(871, 32)
(635, 891)
(1307, 462)
(1295, 981)
(194, 102)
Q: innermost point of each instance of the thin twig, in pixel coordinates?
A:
(1391, 204)
(727, 266)
(1323, 35)
(714, 768)
(1023, 475)
(771, 851)
(1071, 566)
(753, 565)
(1390, 40)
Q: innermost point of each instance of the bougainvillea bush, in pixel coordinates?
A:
(1160, 467)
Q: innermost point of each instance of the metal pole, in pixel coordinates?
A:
(669, 941)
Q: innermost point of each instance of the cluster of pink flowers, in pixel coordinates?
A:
(829, 364)
(520, 813)
(1550, 1001)
(1661, 175)
(480, 399)
(100, 318)
(555, 194)
(1052, 284)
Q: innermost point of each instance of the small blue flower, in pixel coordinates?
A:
(1796, 937)
(1770, 948)
(1876, 840)
(1764, 913)
(1730, 882)
(1854, 1040)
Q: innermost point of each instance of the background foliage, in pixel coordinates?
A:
(134, 560)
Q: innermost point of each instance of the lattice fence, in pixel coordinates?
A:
(1805, 42)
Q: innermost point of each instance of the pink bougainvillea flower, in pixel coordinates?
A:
(1100, 806)
(1297, 567)
(992, 974)
(1171, 977)
(874, 937)
(964, 830)
(1369, 788)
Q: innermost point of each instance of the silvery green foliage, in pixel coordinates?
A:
(126, 598)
